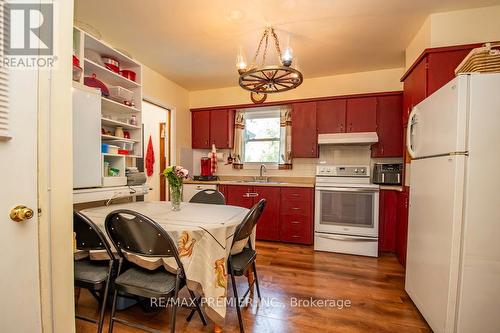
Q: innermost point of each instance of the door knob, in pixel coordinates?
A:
(21, 213)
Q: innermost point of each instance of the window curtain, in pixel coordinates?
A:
(286, 137)
(239, 129)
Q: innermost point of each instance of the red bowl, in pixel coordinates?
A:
(128, 74)
(92, 81)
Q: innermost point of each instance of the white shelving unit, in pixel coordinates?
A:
(113, 113)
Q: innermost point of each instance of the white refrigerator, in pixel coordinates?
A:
(453, 258)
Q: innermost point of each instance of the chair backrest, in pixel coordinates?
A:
(208, 196)
(245, 228)
(88, 235)
(135, 233)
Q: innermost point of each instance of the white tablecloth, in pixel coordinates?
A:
(204, 234)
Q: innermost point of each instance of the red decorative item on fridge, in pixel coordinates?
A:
(128, 74)
(150, 158)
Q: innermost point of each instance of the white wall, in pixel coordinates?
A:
(152, 116)
(455, 28)
(354, 83)
(164, 92)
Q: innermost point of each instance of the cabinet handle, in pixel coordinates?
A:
(296, 222)
(296, 195)
(296, 236)
(295, 208)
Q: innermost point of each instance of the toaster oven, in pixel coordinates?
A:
(387, 174)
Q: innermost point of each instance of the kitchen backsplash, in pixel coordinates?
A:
(302, 167)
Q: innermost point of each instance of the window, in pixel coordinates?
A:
(261, 138)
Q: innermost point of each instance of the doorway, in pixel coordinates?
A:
(156, 127)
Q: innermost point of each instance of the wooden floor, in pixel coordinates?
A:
(374, 286)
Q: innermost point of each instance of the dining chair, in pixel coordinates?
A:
(208, 196)
(238, 264)
(134, 233)
(92, 275)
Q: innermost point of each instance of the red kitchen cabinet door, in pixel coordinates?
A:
(415, 88)
(268, 224)
(388, 214)
(402, 227)
(361, 114)
(389, 127)
(200, 126)
(222, 128)
(304, 135)
(296, 215)
(330, 116)
(441, 67)
(238, 195)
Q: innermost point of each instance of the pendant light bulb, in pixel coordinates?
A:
(241, 61)
(287, 56)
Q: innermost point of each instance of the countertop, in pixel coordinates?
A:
(273, 181)
(398, 188)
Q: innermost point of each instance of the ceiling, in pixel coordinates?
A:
(194, 42)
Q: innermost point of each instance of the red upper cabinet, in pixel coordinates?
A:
(330, 116)
(361, 114)
(222, 128)
(268, 225)
(389, 127)
(212, 127)
(304, 134)
(441, 66)
(433, 69)
(200, 129)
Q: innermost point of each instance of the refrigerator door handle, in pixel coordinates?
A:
(412, 120)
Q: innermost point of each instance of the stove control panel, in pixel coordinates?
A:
(343, 170)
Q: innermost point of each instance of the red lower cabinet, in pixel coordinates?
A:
(297, 215)
(237, 195)
(388, 216)
(268, 225)
(402, 227)
(288, 215)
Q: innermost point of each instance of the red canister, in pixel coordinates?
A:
(206, 167)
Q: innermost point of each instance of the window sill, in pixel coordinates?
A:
(256, 165)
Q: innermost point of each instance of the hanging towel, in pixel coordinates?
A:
(150, 158)
(213, 159)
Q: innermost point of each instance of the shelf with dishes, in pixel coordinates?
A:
(107, 75)
(119, 79)
(106, 137)
(109, 105)
(115, 123)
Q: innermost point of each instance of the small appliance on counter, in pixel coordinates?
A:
(206, 167)
(206, 178)
(387, 174)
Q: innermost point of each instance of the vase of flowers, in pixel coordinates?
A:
(175, 175)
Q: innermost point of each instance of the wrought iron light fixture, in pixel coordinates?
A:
(268, 79)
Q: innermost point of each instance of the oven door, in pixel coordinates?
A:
(346, 210)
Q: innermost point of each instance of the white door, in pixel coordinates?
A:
(19, 268)
(434, 231)
(437, 125)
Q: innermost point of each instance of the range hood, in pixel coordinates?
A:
(360, 139)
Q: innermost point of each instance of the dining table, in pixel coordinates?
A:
(204, 237)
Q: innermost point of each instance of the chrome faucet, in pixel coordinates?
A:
(262, 168)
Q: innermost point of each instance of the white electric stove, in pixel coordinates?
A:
(346, 210)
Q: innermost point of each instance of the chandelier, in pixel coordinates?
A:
(266, 79)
